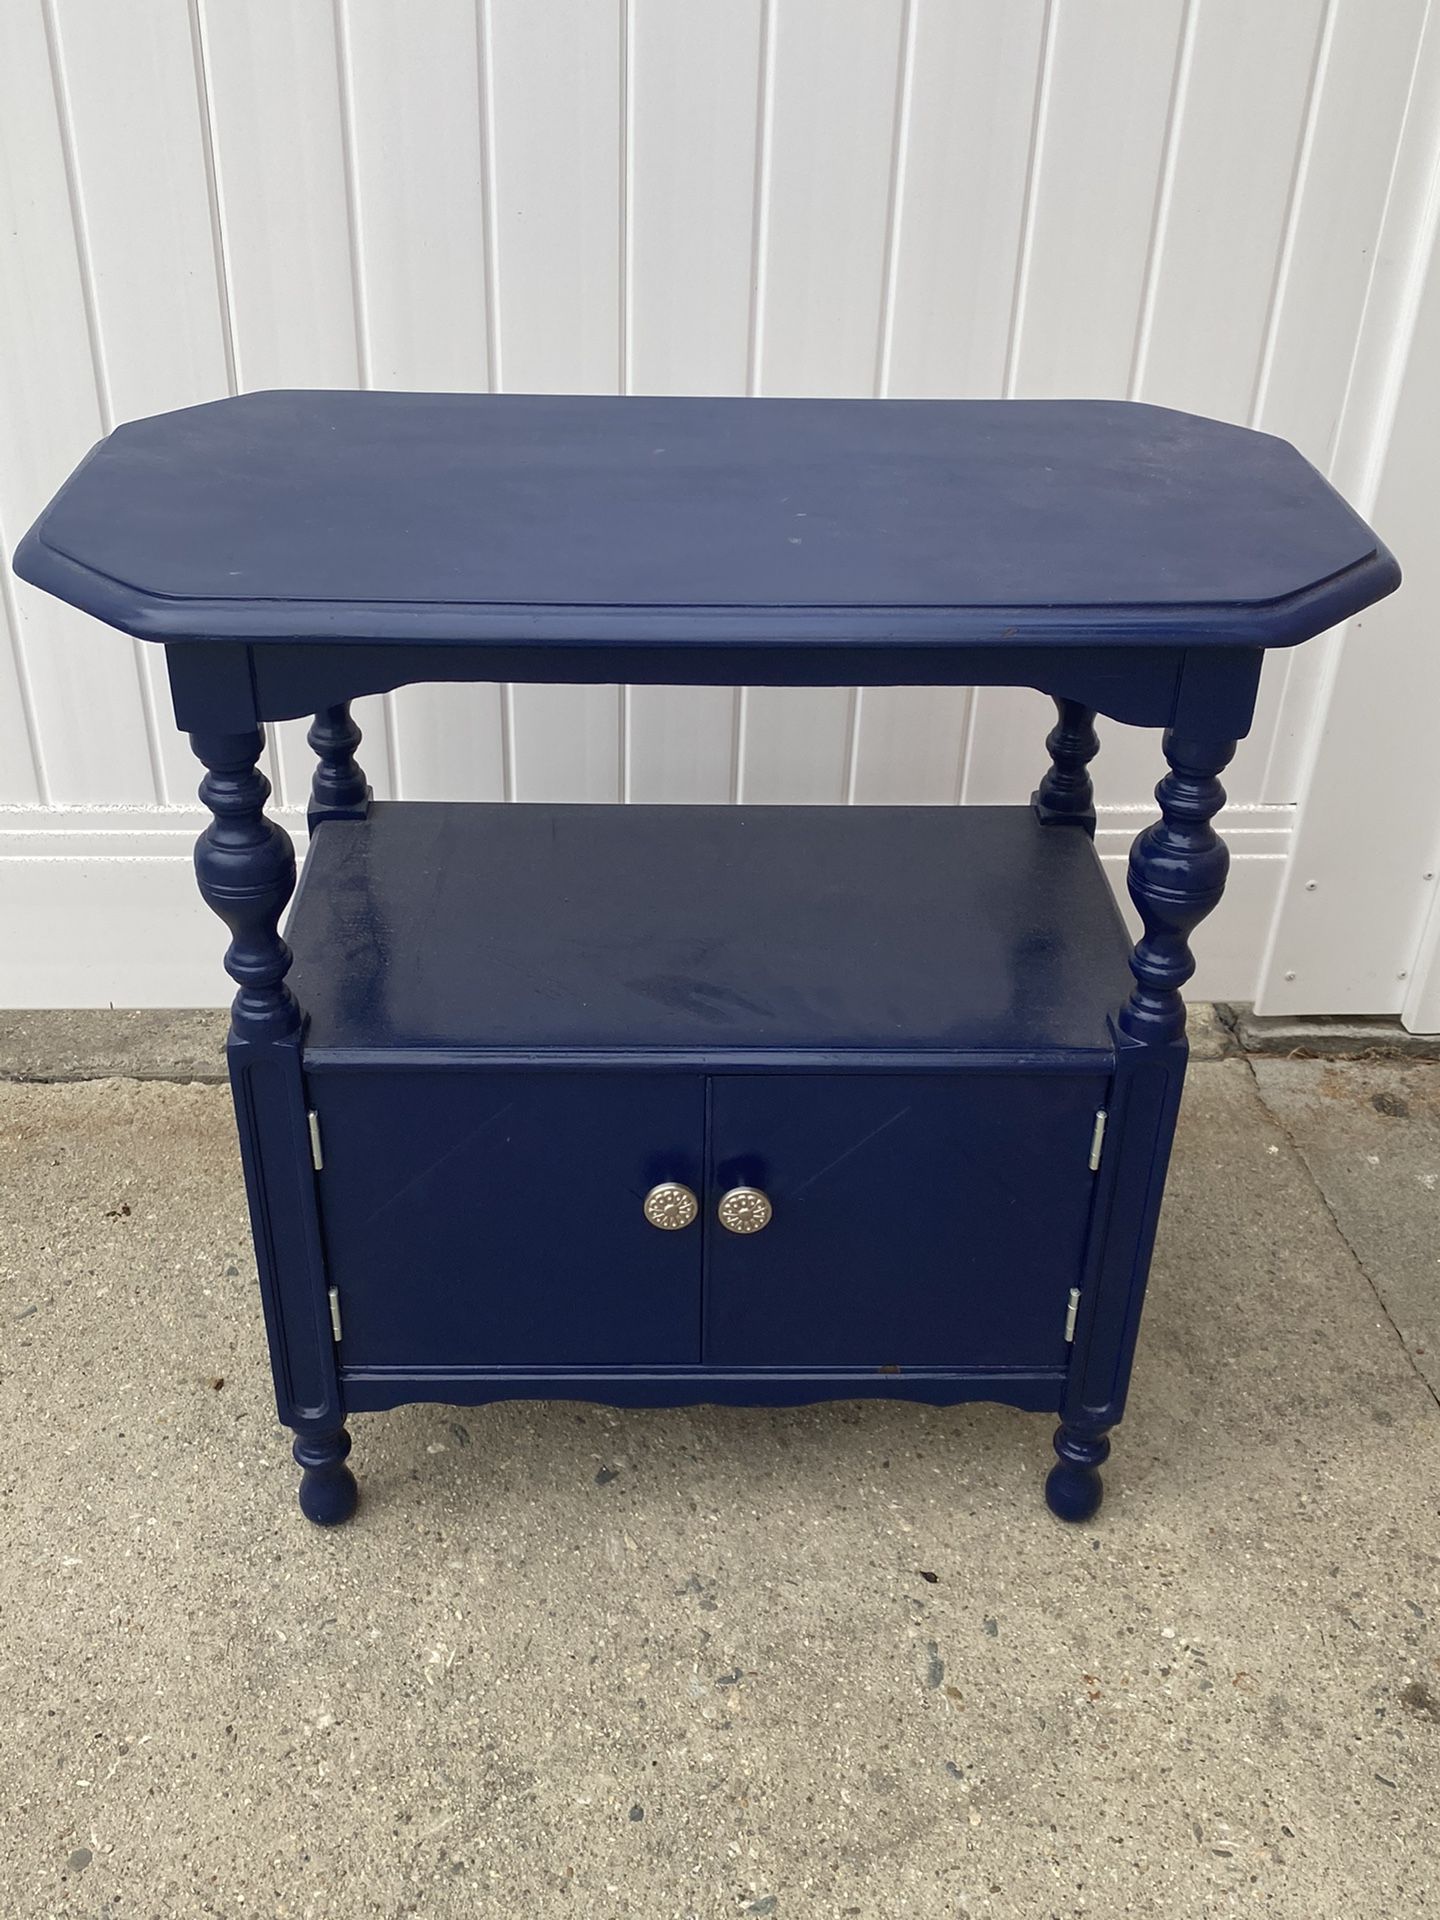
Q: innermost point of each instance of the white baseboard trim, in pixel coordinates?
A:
(98, 904)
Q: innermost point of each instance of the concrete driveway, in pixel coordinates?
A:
(823, 1662)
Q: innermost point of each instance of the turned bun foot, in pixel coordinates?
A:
(328, 1492)
(1074, 1488)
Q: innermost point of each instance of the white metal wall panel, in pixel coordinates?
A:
(1357, 929)
(272, 77)
(693, 119)
(832, 85)
(1241, 119)
(281, 160)
(415, 131)
(1240, 111)
(416, 137)
(1354, 915)
(141, 196)
(1180, 199)
(1245, 245)
(85, 685)
(556, 86)
(962, 166)
(20, 783)
(1110, 76)
(1105, 104)
(1362, 83)
(692, 105)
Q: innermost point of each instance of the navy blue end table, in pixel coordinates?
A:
(659, 1105)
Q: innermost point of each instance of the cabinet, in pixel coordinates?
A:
(655, 1105)
(516, 1035)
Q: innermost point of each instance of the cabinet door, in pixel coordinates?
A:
(933, 1220)
(497, 1219)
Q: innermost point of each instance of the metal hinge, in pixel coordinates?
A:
(1097, 1139)
(317, 1158)
(335, 1314)
(1071, 1313)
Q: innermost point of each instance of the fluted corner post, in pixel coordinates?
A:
(1177, 875)
(339, 790)
(1066, 793)
(245, 866)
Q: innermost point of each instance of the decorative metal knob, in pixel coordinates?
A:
(670, 1206)
(744, 1210)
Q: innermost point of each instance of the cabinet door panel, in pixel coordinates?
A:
(495, 1219)
(930, 1220)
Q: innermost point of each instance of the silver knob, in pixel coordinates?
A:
(670, 1206)
(744, 1210)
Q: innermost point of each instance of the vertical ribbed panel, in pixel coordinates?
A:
(1178, 199)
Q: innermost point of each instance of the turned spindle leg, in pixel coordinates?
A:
(338, 790)
(1066, 792)
(1177, 875)
(245, 866)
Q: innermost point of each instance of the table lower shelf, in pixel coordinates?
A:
(544, 930)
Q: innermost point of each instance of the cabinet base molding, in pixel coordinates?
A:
(374, 1389)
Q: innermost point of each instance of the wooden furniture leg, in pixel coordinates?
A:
(1178, 869)
(1177, 875)
(339, 790)
(1066, 792)
(245, 866)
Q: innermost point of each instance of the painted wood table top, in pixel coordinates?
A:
(533, 519)
(660, 1105)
